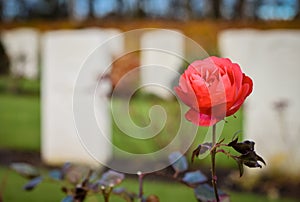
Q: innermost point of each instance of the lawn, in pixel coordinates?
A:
(11, 188)
(139, 112)
(19, 121)
(20, 124)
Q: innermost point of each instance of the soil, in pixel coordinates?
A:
(8, 157)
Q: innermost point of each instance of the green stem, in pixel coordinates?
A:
(213, 163)
(141, 192)
(106, 193)
(106, 198)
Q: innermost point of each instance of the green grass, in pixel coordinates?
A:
(20, 121)
(20, 125)
(11, 188)
(21, 85)
(139, 112)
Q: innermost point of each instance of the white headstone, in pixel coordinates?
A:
(271, 59)
(162, 55)
(117, 42)
(22, 46)
(63, 54)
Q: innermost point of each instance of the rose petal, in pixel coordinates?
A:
(219, 62)
(249, 81)
(240, 100)
(187, 98)
(238, 78)
(227, 88)
(200, 119)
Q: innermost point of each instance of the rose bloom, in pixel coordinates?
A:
(213, 88)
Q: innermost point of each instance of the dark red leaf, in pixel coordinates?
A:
(242, 147)
(201, 149)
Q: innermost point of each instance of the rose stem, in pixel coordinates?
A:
(106, 194)
(213, 163)
(140, 174)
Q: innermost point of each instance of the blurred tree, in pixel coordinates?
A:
(71, 9)
(298, 10)
(199, 8)
(13, 10)
(91, 13)
(1, 10)
(63, 9)
(250, 9)
(215, 11)
(239, 9)
(232, 9)
(179, 10)
(167, 9)
(188, 8)
(129, 8)
(23, 10)
(47, 9)
(140, 9)
(120, 8)
(78, 9)
(112, 9)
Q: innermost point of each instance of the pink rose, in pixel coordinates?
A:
(213, 88)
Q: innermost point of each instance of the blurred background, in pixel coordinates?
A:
(44, 42)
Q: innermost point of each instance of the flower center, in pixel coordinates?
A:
(211, 77)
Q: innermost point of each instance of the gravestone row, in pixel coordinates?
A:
(67, 53)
